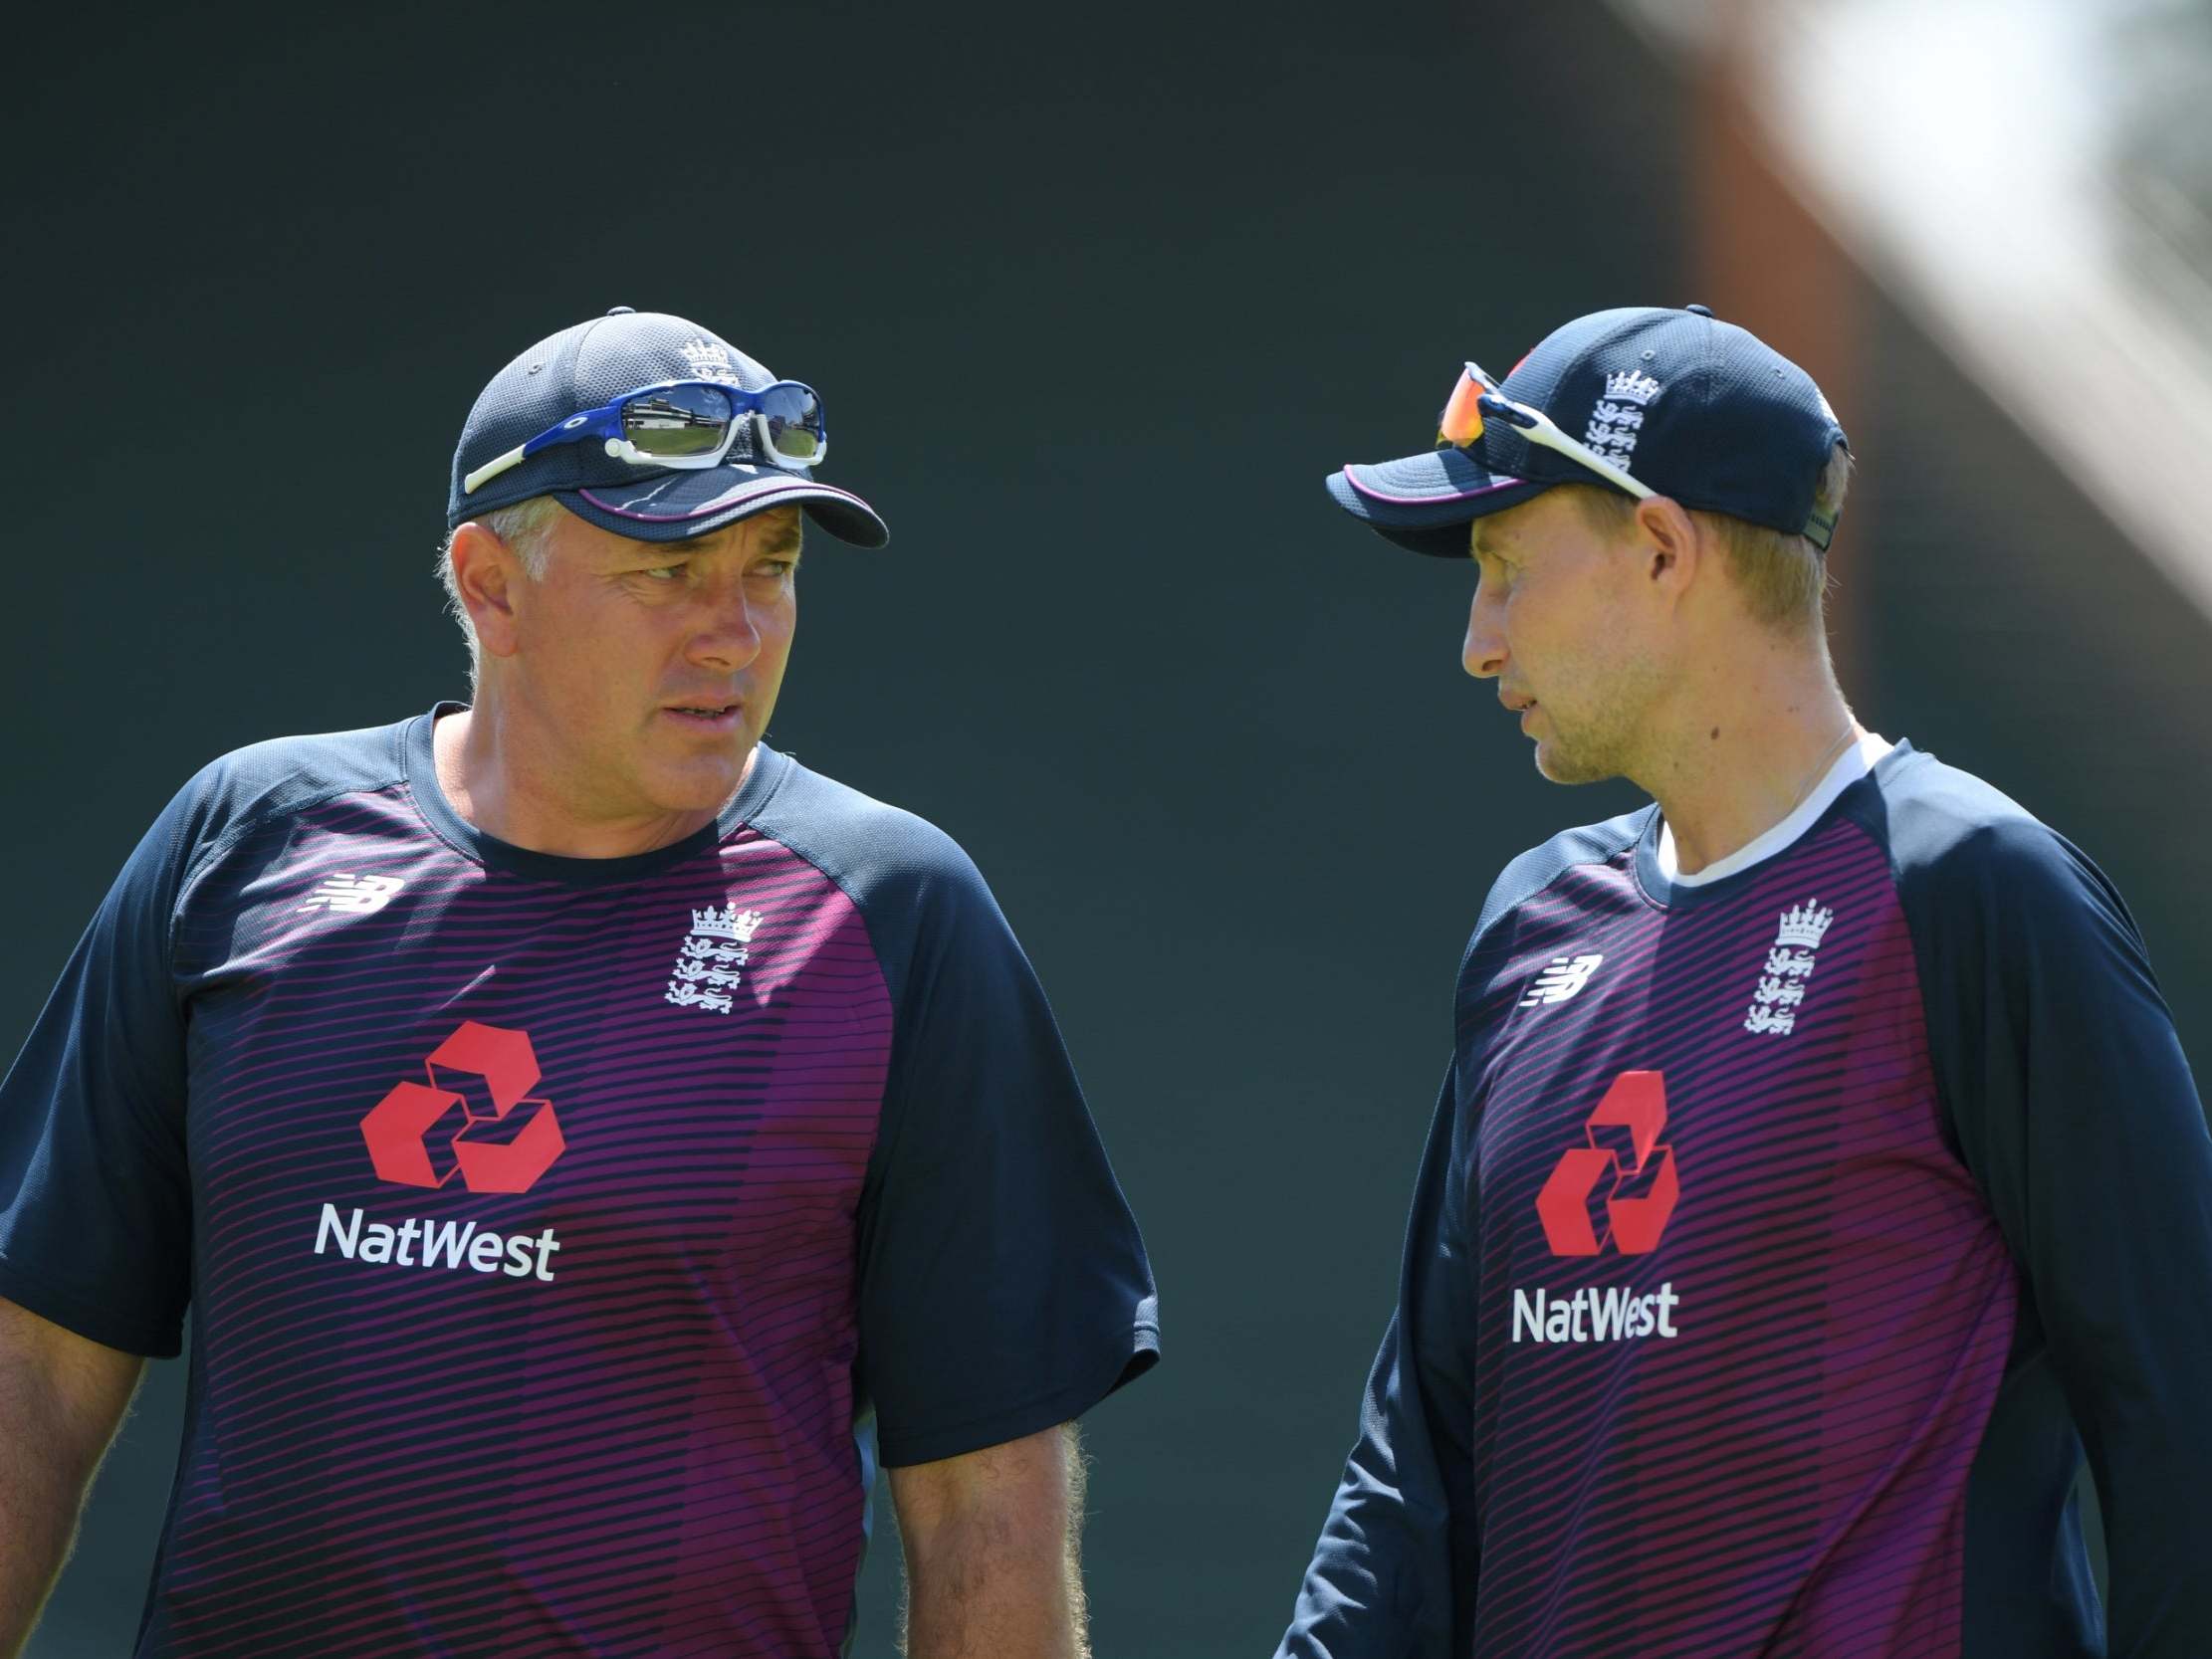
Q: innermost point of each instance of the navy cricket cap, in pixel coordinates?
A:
(594, 363)
(1703, 412)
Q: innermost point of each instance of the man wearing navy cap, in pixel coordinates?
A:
(1818, 1175)
(589, 1143)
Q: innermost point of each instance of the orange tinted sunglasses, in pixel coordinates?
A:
(1474, 394)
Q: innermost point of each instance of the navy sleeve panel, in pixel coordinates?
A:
(1535, 870)
(1401, 1534)
(1393, 1575)
(95, 1214)
(2071, 1102)
(1003, 1287)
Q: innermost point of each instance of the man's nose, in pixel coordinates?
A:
(1482, 653)
(727, 636)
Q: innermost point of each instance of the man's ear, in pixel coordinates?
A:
(486, 572)
(1670, 543)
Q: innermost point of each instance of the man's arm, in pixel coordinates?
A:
(1392, 1574)
(990, 1539)
(2074, 1110)
(61, 1398)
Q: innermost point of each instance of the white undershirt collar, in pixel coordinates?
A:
(1850, 765)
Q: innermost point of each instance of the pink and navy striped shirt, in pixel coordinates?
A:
(566, 1241)
(1783, 1242)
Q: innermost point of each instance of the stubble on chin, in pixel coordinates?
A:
(1568, 764)
(1560, 769)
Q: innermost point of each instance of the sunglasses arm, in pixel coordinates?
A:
(594, 423)
(1607, 470)
(492, 468)
(1539, 428)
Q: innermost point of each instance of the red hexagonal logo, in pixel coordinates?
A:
(1633, 1221)
(474, 1115)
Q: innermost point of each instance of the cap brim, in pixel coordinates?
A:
(1427, 501)
(674, 507)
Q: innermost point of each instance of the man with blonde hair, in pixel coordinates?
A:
(1818, 1173)
(590, 1141)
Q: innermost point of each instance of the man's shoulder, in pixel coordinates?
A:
(279, 772)
(264, 782)
(1540, 866)
(1971, 864)
(878, 853)
(1941, 824)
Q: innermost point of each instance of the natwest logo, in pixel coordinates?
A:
(1636, 1101)
(474, 1115)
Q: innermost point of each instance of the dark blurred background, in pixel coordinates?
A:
(1095, 296)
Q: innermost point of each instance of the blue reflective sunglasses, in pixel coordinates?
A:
(688, 423)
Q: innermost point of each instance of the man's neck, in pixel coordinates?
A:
(1739, 758)
(486, 772)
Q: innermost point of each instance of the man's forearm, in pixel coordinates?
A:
(38, 1518)
(995, 1595)
(41, 1494)
(990, 1580)
(61, 1398)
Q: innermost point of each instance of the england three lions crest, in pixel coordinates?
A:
(709, 964)
(1616, 419)
(709, 361)
(1790, 961)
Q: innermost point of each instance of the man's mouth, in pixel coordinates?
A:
(704, 713)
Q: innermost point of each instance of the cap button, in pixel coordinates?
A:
(621, 311)
(1698, 311)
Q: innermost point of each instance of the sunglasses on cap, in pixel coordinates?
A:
(687, 423)
(1474, 394)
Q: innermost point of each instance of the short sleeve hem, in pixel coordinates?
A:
(1127, 1354)
(73, 1312)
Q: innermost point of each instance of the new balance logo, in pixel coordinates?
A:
(355, 895)
(1565, 976)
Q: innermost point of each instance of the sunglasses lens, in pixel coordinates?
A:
(793, 417)
(1461, 421)
(677, 420)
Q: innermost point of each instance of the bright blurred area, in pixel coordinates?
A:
(2033, 179)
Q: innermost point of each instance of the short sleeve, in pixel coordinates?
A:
(94, 1194)
(1003, 1287)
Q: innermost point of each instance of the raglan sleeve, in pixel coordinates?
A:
(1389, 1576)
(95, 1212)
(1004, 1285)
(2074, 1110)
